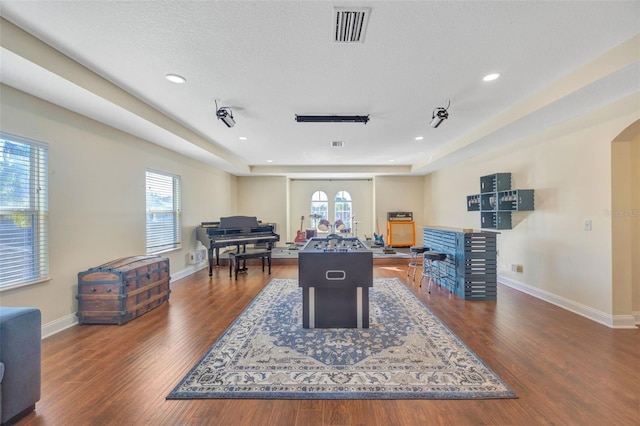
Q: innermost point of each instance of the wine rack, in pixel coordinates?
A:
(497, 201)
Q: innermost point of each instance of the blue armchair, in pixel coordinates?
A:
(20, 357)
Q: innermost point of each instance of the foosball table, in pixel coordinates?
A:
(335, 274)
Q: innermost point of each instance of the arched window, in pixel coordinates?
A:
(319, 208)
(343, 212)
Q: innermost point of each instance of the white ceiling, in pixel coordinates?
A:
(271, 60)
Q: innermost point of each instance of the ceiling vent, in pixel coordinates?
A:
(337, 144)
(350, 24)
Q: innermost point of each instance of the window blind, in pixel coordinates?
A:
(163, 211)
(24, 249)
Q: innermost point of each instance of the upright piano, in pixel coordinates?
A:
(234, 231)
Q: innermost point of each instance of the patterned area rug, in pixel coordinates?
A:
(405, 353)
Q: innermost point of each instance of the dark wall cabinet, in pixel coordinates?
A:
(497, 201)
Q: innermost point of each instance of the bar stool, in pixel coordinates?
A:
(416, 259)
(431, 267)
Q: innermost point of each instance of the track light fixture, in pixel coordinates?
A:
(225, 115)
(439, 115)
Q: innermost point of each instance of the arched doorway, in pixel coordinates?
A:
(625, 221)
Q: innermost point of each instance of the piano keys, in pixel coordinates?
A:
(234, 231)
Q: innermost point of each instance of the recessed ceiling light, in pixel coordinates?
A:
(175, 78)
(269, 161)
(491, 77)
(391, 161)
(419, 138)
(242, 138)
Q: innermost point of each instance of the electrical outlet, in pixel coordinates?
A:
(587, 224)
(197, 256)
(516, 268)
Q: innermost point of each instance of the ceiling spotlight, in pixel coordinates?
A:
(439, 115)
(175, 78)
(491, 77)
(225, 115)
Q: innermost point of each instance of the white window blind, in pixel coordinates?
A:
(163, 212)
(24, 252)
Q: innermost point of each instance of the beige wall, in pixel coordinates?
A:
(399, 194)
(361, 195)
(569, 167)
(97, 196)
(266, 198)
(635, 230)
(287, 200)
(621, 222)
(445, 197)
(625, 223)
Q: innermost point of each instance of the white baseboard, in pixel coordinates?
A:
(191, 269)
(56, 326)
(612, 321)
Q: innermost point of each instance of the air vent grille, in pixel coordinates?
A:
(337, 144)
(350, 24)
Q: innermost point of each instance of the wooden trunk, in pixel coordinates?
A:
(121, 290)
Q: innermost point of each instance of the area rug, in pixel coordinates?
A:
(406, 353)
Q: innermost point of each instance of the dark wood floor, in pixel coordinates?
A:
(566, 370)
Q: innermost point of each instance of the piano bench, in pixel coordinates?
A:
(235, 259)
